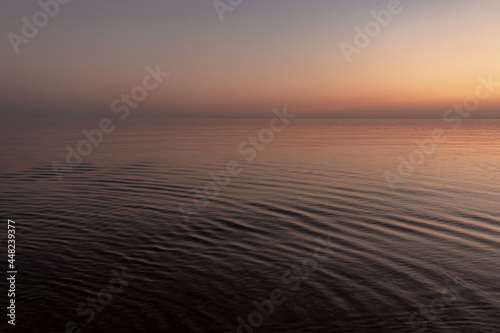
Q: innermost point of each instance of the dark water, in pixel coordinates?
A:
(391, 253)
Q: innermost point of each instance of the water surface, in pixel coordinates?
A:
(393, 252)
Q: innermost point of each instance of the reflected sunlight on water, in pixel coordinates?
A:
(317, 179)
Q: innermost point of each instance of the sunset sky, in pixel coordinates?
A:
(265, 54)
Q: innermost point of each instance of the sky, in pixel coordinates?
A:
(265, 54)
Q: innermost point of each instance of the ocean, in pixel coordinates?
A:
(187, 226)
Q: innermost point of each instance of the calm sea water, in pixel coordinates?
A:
(393, 255)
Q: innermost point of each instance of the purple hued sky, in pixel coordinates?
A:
(265, 54)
